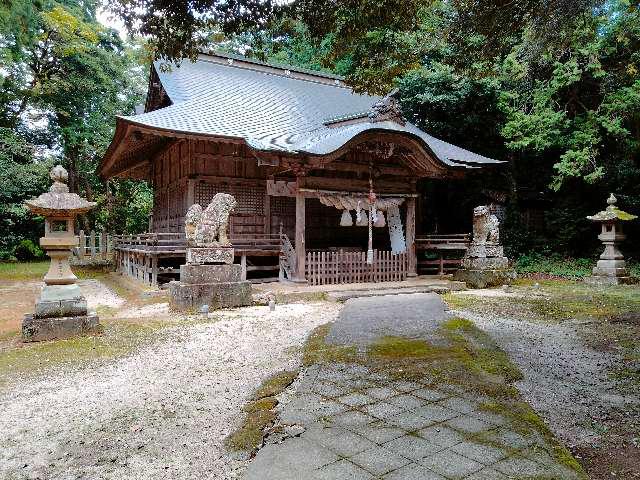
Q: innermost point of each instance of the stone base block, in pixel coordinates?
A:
(607, 271)
(42, 329)
(60, 301)
(485, 278)
(199, 274)
(210, 255)
(488, 263)
(216, 295)
(604, 280)
(482, 250)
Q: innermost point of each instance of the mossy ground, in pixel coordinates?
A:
(604, 318)
(119, 338)
(259, 413)
(460, 354)
(554, 301)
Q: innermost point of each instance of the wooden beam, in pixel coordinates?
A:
(411, 238)
(300, 230)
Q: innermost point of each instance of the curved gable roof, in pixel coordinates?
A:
(276, 109)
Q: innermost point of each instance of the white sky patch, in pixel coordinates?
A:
(108, 19)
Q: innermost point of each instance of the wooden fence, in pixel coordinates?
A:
(325, 268)
(95, 246)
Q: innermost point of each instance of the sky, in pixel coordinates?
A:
(108, 20)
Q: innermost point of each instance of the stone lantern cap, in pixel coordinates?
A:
(611, 213)
(58, 202)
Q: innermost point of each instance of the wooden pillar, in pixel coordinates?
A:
(300, 229)
(154, 271)
(412, 259)
(243, 266)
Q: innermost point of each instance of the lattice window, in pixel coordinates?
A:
(250, 198)
(283, 206)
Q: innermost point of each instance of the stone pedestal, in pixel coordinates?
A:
(216, 282)
(53, 328)
(484, 265)
(61, 312)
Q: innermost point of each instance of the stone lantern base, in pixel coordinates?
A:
(610, 272)
(61, 312)
(217, 282)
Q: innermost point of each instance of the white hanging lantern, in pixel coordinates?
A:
(379, 220)
(363, 221)
(346, 220)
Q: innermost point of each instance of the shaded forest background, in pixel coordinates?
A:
(552, 87)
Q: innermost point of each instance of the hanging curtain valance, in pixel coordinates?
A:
(344, 202)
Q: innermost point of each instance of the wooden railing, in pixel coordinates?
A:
(93, 247)
(453, 246)
(337, 267)
(141, 256)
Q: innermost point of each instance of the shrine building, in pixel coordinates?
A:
(328, 182)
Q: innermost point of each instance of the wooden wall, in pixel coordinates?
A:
(193, 171)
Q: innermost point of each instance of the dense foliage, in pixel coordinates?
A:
(552, 87)
(63, 78)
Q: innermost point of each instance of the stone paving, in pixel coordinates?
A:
(346, 421)
(360, 424)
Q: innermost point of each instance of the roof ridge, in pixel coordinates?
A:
(278, 68)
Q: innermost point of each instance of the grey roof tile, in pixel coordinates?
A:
(271, 110)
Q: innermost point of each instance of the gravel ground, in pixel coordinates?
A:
(163, 412)
(564, 380)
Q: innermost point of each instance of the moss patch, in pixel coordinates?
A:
(527, 422)
(259, 413)
(317, 350)
(275, 385)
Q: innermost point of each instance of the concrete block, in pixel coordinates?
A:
(200, 274)
(216, 295)
(481, 278)
(42, 329)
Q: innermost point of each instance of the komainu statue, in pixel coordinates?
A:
(209, 227)
(485, 226)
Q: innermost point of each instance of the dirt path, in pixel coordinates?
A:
(162, 412)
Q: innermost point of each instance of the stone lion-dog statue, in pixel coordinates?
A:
(209, 227)
(485, 226)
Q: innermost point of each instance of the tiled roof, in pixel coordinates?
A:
(273, 108)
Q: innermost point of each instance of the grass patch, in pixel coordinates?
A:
(259, 413)
(33, 271)
(553, 265)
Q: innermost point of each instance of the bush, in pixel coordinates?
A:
(27, 250)
(554, 265)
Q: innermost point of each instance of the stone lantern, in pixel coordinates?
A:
(611, 269)
(61, 309)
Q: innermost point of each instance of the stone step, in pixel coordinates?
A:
(378, 292)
